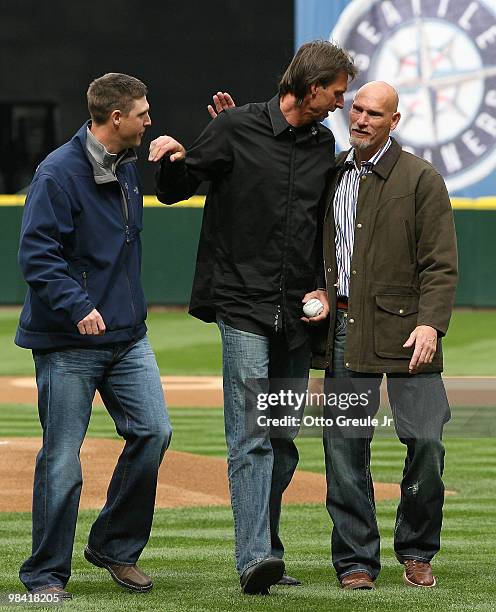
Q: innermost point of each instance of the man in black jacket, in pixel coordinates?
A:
(259, 258)
(84, 319)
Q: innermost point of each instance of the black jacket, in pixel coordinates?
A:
(260, 243)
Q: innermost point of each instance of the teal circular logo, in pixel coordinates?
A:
(441, 57)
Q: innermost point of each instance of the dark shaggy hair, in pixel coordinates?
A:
(318, 62)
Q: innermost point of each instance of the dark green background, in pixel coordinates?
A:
(170, 238)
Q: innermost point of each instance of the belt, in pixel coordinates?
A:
(342, 302)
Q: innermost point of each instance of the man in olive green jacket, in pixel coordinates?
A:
(391, 271)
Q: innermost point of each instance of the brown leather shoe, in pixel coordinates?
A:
(57, 593)
(127, 576)
(418, 574)
(357, 580)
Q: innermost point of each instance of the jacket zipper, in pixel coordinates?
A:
(282, 283)
(125, 213)
(85, 280)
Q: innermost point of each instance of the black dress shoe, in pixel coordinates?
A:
(127, 576)
(289, 581)
(257, 579)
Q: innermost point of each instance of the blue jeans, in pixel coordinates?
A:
(420, 409)
(259, 467)
(127, 377)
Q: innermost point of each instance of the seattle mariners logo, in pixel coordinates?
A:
(441, 57)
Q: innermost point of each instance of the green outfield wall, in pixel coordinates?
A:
(170, 239)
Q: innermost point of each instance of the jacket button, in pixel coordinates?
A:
(347, 364)
(364, 178)
(329, 269)
(401, 311)
(351, 320)
(359, 225)
(353, 272)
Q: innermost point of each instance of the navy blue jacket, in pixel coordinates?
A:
(79, 250)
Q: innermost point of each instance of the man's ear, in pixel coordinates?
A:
(115, 117)
(395, 120)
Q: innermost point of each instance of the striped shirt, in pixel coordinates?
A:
(345, 202)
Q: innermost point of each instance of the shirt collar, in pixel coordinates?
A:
(98, 151)
(350, 158)
(278, 121)
(103, 162)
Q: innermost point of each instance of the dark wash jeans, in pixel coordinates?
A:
(128, 379)
(259, 467)
(420, 409)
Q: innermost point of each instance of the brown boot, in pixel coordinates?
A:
(418, 574)
(127, 576)
(55, 593)
(357, 580)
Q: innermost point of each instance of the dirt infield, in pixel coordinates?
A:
(185, 479)
(206, 391)
(202, 391)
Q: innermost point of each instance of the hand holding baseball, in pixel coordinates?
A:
(315, 307)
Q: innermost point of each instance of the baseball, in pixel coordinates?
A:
(313, 307)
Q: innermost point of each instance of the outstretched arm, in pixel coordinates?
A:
(179, 174)
(165, 145)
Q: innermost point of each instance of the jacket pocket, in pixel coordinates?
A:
(395, 318)
(409, 238)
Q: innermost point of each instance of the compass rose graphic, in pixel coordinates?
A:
(441, 57)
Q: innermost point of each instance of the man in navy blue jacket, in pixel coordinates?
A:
(84, 319)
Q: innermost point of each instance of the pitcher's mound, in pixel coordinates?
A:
(185, 479)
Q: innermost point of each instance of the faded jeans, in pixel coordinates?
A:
(259, 467)
(420, 409)
(127, 377)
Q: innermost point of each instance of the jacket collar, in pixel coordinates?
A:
(101, 161)
(384, 166)
(279, 123)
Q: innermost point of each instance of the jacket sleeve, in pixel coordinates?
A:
(207, 160)
(436, 252)
(47, 218)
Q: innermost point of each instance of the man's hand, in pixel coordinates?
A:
(165, 145)
(222, 100)
(92, 324)
(425, 339)
(321, 295)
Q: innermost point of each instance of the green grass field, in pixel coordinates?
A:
(184, 345)
(190, 553)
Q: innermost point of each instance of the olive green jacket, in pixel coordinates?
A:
(403, 269)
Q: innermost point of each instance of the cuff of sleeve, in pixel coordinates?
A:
(440, 331)
(82, 311)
